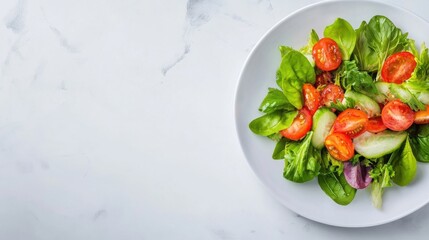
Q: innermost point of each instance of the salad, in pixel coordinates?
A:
(351, 109)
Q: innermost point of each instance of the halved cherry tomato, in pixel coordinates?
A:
(327, 54)
(397, 116)
(323, 79)
(375, 125)
(331, 93)
(422, 117)
(351, 122)
(311, 98)
(300, 125)
(398, 67)
(340, 146)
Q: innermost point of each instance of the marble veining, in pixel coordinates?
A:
(96, 142)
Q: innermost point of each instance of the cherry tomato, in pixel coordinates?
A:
(340, 146)
(331, 93)
(398, 67)
(397, 116)
(422, 117)
(311, 98)
(375, 125)
(300, 125)
(327, 54)
(323, 79)
(351, 122)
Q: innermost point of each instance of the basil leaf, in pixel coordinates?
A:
(279, 150)
(420, 144)
(384, 38)
(275, 100)
(302, 160)
(294, 71)
(313, 39)
(272, 122)
(365, 57)
(344, 35)
(404, 164)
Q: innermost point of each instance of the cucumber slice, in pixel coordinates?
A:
(323, 120)
(374, 145)
(364, 103)
(383, 89)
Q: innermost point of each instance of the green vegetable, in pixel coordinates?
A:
(419, 88)
(344, 35)
(422, 69)
(404, 164)
(294, 71)
(275, 100)
(337, 188)
(313, 39)
(375, 145)
(279, 150)
(359, 81)
(302, 160)
(384, 38)
(420, 143)
(365, 57)
(381, 173)
(272, 122)
(332, 181)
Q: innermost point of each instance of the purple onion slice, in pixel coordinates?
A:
(357, 175)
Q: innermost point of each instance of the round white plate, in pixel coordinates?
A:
(258, 74)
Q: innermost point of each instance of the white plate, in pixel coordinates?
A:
(258, 74)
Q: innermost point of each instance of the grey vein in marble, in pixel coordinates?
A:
(198, 13)
(101, 213)
(167, 68)
(15, 19)
(63, 40)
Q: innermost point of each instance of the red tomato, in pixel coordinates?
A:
(351, 122)
(300, 125)
(323, 79)
(398, 67)
(340, 146)
(397, 116)
(331, 93)
(422, 117)
(327, 54)
(311, 98)
(375, 125)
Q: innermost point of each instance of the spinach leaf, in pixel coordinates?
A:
(365, 57)
(272, 122)
(336, 187)
(382, 174)
(284, 50)
(352, 78)
(384, 38)
(404, 164)
(344, 35)
(279, 150)
(421, 72)
(275, 100)
(294, 71)
(302, 160)
(420, 143)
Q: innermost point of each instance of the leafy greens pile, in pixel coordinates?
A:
(363, 52)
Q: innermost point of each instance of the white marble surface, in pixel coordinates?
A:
(116, 122)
